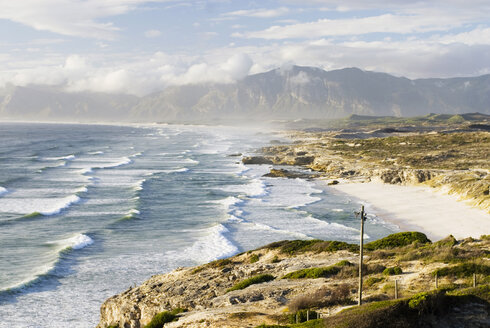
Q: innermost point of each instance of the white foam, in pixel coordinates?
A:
(241, 168)
(337, 210)
(213, 246)
(139, 185)
(43, 206)
(133, 211)
(228, 202)
(96, 152)
(3, 191)
(255, 188)
(66, 158)
(180, 170)
(85, 171)
(190, 161)
(64, 203)
(77, 241)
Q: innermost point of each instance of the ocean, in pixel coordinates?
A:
(88, 210)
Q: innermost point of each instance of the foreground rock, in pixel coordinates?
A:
(204, 291)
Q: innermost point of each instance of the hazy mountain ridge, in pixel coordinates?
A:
(295, 92)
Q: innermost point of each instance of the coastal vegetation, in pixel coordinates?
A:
(251, 281)
(446, 152)
(317, 279)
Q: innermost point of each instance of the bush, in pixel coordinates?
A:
(293, 247)
(397, 240)
(251, 281)
(463, 270)
(392, 271)
(275, 259)
(372, 280)
(254, 258)
(163, 317)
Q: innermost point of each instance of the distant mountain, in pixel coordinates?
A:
(296, 92)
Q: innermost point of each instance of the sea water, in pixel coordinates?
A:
(88, 210)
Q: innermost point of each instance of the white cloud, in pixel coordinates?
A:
(259, 13)
(152, 33)
(70, 17)
(386, 23)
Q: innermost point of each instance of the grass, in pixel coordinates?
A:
(463, 270)
(251, 281)
(397, 240)
(321, 297)
(162, 318)
(313, 273)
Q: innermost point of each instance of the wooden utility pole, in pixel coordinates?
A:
(361, 249)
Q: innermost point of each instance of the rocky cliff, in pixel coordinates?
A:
(270, 284)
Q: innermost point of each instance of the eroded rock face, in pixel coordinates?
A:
(204, 290)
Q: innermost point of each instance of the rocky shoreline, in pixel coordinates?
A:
(459, 169)
(298, 269)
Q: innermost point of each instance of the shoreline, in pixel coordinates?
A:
(419, 208)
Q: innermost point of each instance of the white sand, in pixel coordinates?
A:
(420, 209)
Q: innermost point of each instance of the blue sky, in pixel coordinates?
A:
(140, 46)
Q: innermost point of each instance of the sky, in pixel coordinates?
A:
(140, 46)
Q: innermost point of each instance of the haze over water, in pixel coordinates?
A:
(88, 210)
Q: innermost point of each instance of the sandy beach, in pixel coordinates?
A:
(419, 208)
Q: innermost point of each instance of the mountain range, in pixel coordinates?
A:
(284, 93)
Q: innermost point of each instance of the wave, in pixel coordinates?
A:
(213, 246)
(70, 157)
(242, 168)
(180, 170)
(294, 234)
(56, 208)
(308, 201)
(256, 188)
(190, 161)
(75, 242)
(3, 191)
(228, 202)
(139, 185)
(132, 214)
(96, 152)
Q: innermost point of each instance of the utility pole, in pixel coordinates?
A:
(361, 249)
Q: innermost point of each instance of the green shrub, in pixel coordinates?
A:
(463, 270)
(164, 317)
(293, 247)
(417, 299)
(254, 258)
(251, 281)
(220, 263)
(322, 272)
(275, 259)
(392, 271)
(372, 280)
(397, 240)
